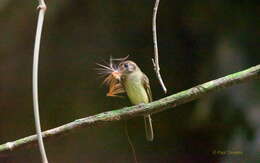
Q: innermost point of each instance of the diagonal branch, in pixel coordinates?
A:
(156, 55)
(133, 111)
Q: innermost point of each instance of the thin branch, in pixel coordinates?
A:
(42, 8)
(140, 110)
(130, 143)
(156, 55)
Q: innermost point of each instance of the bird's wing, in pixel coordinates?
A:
(147, 87)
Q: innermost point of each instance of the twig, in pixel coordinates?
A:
(140, 110)
(156, 55)
(42, 8)
(130, 142)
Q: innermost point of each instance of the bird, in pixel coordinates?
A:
(136, 85)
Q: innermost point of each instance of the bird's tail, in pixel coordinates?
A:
(148, 127)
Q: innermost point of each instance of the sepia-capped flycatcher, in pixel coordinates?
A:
(137, 87)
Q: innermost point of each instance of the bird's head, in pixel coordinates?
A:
(127, 67)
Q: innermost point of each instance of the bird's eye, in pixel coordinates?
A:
(126, 65)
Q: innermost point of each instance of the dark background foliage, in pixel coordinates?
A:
(198, 41)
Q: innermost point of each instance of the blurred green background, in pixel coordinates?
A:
(198, 41)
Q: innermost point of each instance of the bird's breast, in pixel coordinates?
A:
(135, 90)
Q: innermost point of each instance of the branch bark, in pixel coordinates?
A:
(156, 55)
(139, 110)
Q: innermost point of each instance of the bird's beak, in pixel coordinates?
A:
(116, 75)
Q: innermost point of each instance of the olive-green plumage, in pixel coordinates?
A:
(137, 87)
